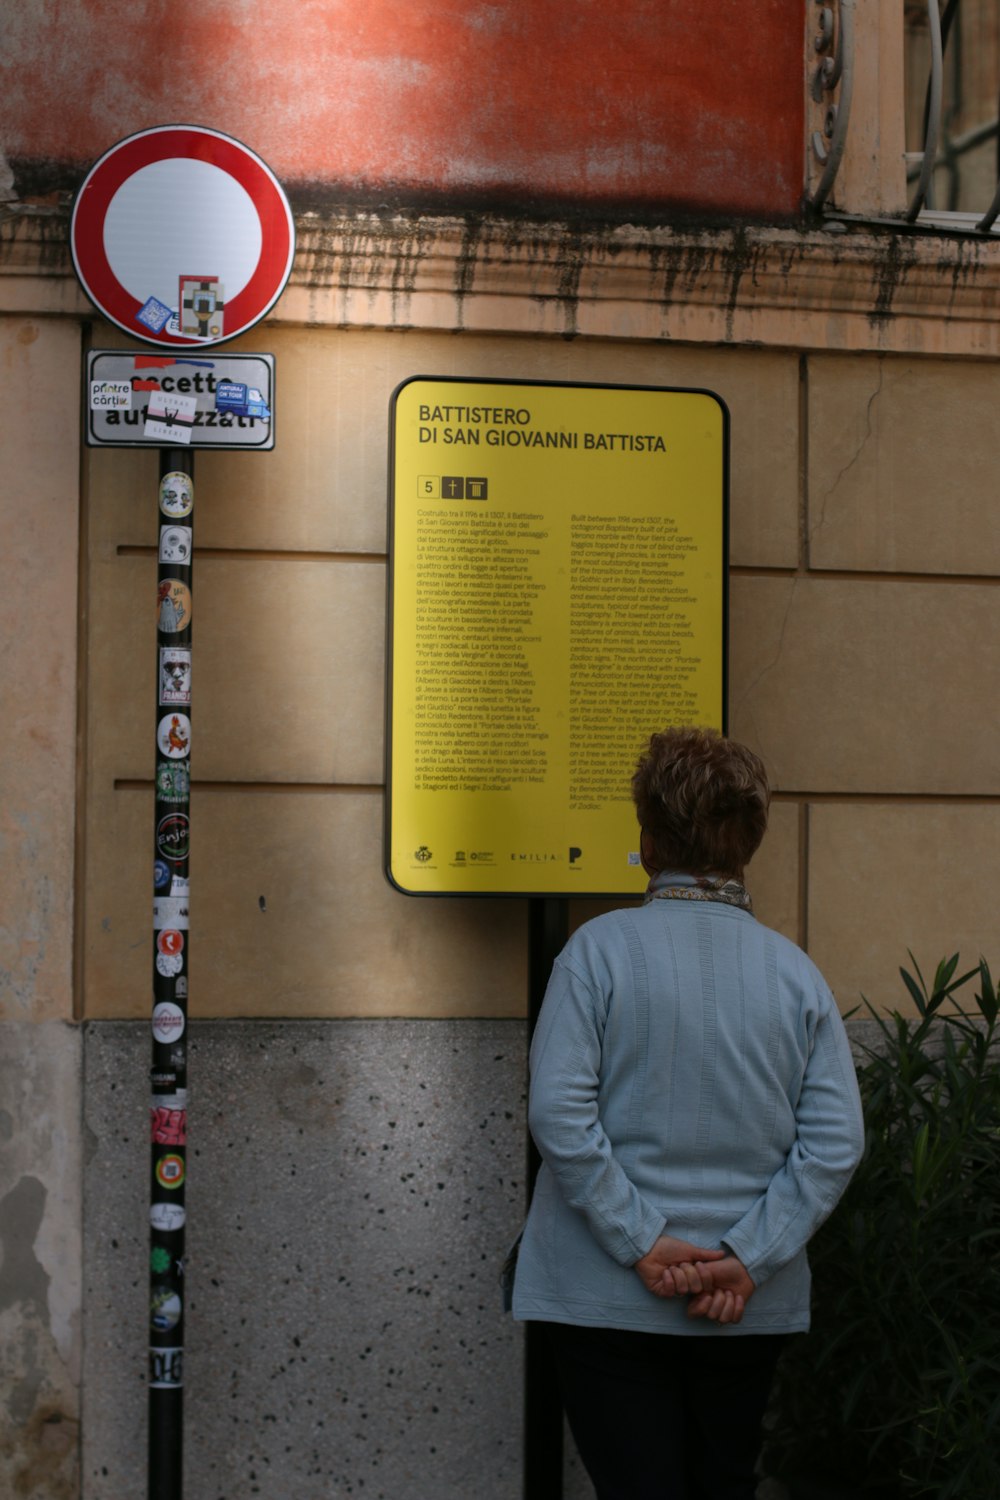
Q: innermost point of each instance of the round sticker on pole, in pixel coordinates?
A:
(182, 236)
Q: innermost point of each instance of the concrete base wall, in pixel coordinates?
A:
(352, 1188)
(40, 1230)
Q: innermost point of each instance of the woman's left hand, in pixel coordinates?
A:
(718, 1292)
(668, 1252)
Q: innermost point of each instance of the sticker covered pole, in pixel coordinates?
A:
(171, 933)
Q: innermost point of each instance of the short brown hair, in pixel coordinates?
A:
(702, 800)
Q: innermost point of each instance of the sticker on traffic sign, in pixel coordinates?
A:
(170, 419)
(181, 235)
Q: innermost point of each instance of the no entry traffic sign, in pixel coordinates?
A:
(181, 235)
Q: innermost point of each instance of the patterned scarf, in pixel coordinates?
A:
(668, 885)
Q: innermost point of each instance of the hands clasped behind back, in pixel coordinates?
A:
(717, 1283)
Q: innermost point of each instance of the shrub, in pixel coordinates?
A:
(895, 1391)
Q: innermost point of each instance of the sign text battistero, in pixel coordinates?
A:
(557, 593)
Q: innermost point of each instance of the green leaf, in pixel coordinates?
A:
(987, 998)
(920, 1160)
(919, 996)
(944, 972)
(913, 961)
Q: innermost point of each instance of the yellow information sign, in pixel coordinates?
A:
(557, 594)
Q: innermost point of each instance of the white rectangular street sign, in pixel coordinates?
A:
(198, 398)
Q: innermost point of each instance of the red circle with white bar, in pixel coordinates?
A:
(182, 204)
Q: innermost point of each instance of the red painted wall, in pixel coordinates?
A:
(603, 104)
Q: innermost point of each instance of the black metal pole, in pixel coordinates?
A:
(171, 934)
(548, 924)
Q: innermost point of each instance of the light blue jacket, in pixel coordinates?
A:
(690, 1075)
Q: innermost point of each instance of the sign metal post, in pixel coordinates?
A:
(184, 238)
(171, 948)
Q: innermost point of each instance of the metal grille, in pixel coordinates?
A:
(952, 73)
(951, 63)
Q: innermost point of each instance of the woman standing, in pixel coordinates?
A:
(695, 1106)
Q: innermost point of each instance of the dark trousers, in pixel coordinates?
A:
(659, 1417)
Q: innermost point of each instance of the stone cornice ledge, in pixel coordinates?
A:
(862, 288)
